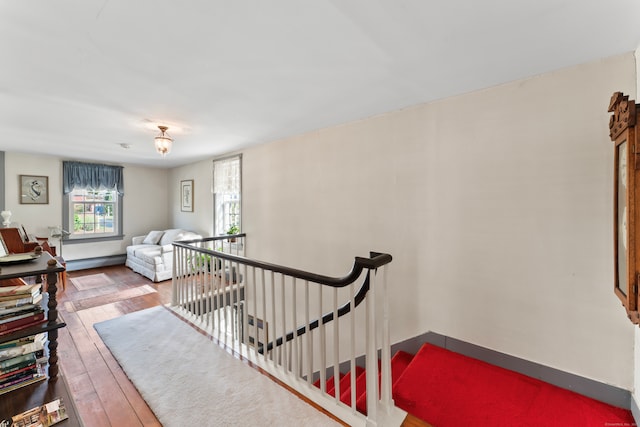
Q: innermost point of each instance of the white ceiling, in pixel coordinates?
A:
(80, 77)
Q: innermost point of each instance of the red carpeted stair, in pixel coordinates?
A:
(448, 389)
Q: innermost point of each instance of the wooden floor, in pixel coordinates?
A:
(103, 394)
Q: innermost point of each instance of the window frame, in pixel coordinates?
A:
(67, 218)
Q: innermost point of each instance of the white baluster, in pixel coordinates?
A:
(308, 334)
(284, 323)
(352, 350)
(264, 316)
(336, 343)
(385, 392)
(371, 353)
(323, 344)
(273, 317)
(294, 312)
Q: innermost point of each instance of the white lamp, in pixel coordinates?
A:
(6, 216)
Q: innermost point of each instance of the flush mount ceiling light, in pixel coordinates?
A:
(163, 141)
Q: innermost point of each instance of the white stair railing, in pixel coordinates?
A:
(298, 326)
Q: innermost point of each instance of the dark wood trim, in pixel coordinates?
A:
(374, 261)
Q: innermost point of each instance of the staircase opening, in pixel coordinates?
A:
(298, 326)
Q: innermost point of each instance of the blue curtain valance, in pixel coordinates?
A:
(78, 175)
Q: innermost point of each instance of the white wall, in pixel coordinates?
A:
(145, 203)
(495, 205)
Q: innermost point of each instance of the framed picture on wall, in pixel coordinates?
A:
(34, 190)
(186, 195)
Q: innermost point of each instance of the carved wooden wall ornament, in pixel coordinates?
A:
(626, 212)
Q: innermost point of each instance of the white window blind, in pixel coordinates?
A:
(226, 176)
(227, 191)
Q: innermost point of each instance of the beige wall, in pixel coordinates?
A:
(201, 219)
(145, 202)
(495, 205)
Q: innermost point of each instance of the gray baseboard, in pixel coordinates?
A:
(600, 391)
(83, 264)
(635, 411)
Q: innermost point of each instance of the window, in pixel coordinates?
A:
(92, 208)
(94, 212)
(227, 191)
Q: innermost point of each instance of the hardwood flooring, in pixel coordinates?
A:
(102, 393)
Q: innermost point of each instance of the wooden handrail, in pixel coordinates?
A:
(375, 260)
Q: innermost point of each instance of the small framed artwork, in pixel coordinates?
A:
(34, 190)
(186, 195)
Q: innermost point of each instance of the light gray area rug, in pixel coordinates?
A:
(188, 380)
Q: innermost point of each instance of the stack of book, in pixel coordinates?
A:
(20, 307)
(22, 362)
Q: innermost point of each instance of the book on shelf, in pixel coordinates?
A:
(17, 362)
(24, 383)
(23, 340)
(11, 375)
(20, 307)
(40, 359)
(8, 317)
(31, 374)
(41, 416)
(10, 292)
(25, 347)
(23, 370)
(20, 300)
(14, 325)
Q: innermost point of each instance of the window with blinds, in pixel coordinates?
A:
(227, 194)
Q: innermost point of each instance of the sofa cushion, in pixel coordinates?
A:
(153, 237)
(171, 235)
(149, 253)
(131, 249)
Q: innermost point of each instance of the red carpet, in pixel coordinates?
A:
(447, 389)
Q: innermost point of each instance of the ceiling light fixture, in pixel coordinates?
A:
(163, 142)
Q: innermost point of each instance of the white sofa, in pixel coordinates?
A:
(152, 255)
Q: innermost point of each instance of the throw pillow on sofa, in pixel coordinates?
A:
(153, 237)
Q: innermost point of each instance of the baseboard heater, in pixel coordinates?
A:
(97, 262)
